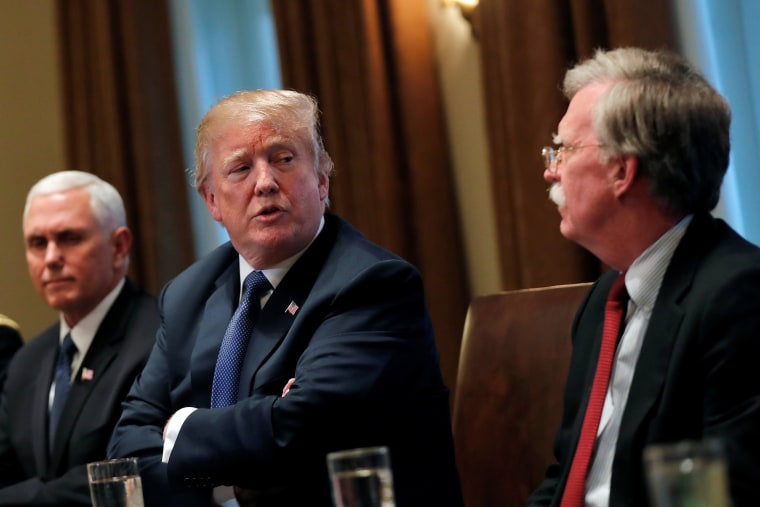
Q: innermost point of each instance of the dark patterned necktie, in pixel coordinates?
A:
(66, 353)
(614, 311)
(224, 390)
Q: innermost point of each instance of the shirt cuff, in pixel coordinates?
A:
(172, 430)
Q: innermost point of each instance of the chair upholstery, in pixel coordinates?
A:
(508, 400)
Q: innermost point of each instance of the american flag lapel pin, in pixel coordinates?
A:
(87, 374)
(292, 308)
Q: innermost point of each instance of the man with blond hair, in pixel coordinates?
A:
(330, 346)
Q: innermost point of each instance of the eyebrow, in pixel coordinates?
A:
(234, 157)
(57, 235)
(274, 141)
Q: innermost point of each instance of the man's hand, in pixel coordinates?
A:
(286, 389)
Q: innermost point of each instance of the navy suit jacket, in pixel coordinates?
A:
(29, 475)
(358, 341)
(691, 380)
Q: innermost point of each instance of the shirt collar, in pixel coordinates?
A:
(276, 273)
(84, 331)
(644, 278)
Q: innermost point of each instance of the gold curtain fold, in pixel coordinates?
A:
(122, 123)
(370, 64)
(526, 47)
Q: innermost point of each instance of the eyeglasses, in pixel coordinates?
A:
(553, 156)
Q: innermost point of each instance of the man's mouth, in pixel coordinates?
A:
(56, 281)
(268, 211)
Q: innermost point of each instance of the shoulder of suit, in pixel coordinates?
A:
(35, 346)
(350, 242)
(210, 266)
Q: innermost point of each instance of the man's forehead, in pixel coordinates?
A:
(54, 213)
(578, 117)
(58, 224)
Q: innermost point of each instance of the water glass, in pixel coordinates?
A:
(115, 483)
(687, 474)
(361, 477)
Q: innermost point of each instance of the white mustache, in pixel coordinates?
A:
(557, 195)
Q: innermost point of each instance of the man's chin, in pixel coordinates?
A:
(566, 230)
(58, 300)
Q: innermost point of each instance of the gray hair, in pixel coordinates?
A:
(105, 201)
(284, 110)
(664, 112)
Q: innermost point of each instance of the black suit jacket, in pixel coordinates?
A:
(359, 343)
(28, 474)
(695, 375)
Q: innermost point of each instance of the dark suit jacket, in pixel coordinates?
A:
(28, 475)
(361, 349)
(10, 342)
(695, 375)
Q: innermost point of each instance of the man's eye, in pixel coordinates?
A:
(36, 243)
(69, 239)
(283, 158)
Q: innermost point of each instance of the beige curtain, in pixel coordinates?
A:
(526, 47)
(122, 123)
(370, 64)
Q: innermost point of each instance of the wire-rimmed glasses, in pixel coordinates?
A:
(553, 156)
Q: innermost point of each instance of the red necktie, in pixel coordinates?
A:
(613, 317)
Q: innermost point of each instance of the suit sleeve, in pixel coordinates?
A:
(139, 430)
(70, 489)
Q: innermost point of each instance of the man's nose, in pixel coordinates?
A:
(266, 182)
(53, 254)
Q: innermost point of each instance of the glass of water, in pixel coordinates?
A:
(687, 474)
(361, 477)
(115, 483)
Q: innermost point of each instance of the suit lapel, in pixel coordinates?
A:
(101, 353)
(663, 328)
(286, 302)
(39, 422)
(216, 317)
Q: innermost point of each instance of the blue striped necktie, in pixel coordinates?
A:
(66, 353)
(224, 390)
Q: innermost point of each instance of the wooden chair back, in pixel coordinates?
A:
(508, 400)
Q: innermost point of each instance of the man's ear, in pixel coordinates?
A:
(625, 170)
(121, 240)
(210, 200)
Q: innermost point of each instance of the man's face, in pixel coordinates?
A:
(583, 181)
(72, 263)
(264, 188)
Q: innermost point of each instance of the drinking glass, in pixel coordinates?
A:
(687, 474)
(115, 483)
(361, 477)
